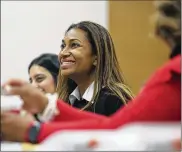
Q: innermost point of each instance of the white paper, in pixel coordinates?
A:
(11, 146)
(133, 137)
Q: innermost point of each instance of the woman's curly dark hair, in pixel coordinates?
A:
(168, 19)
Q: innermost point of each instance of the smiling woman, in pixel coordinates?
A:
(43, 72)
(90, 77)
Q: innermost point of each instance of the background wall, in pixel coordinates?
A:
(138, 51)
(29, 28)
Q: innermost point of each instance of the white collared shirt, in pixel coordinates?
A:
(87, 95)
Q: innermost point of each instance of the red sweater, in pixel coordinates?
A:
(159, 100)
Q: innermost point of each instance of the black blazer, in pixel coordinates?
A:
(107, 103)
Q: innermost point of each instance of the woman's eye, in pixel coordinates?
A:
(75, 45)
(39, 80)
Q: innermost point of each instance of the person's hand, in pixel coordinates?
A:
(34, 101)
(14, 127)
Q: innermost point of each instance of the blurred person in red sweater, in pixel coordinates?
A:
(159, 100)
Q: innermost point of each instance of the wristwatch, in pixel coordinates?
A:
(33, 132)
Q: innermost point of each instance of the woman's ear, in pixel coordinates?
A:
(95, 61)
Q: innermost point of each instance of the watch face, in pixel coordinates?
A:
(33, 132)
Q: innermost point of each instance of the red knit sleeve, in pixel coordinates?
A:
(68, 113)
(161, 102)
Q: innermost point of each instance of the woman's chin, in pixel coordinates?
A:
(66, 73)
